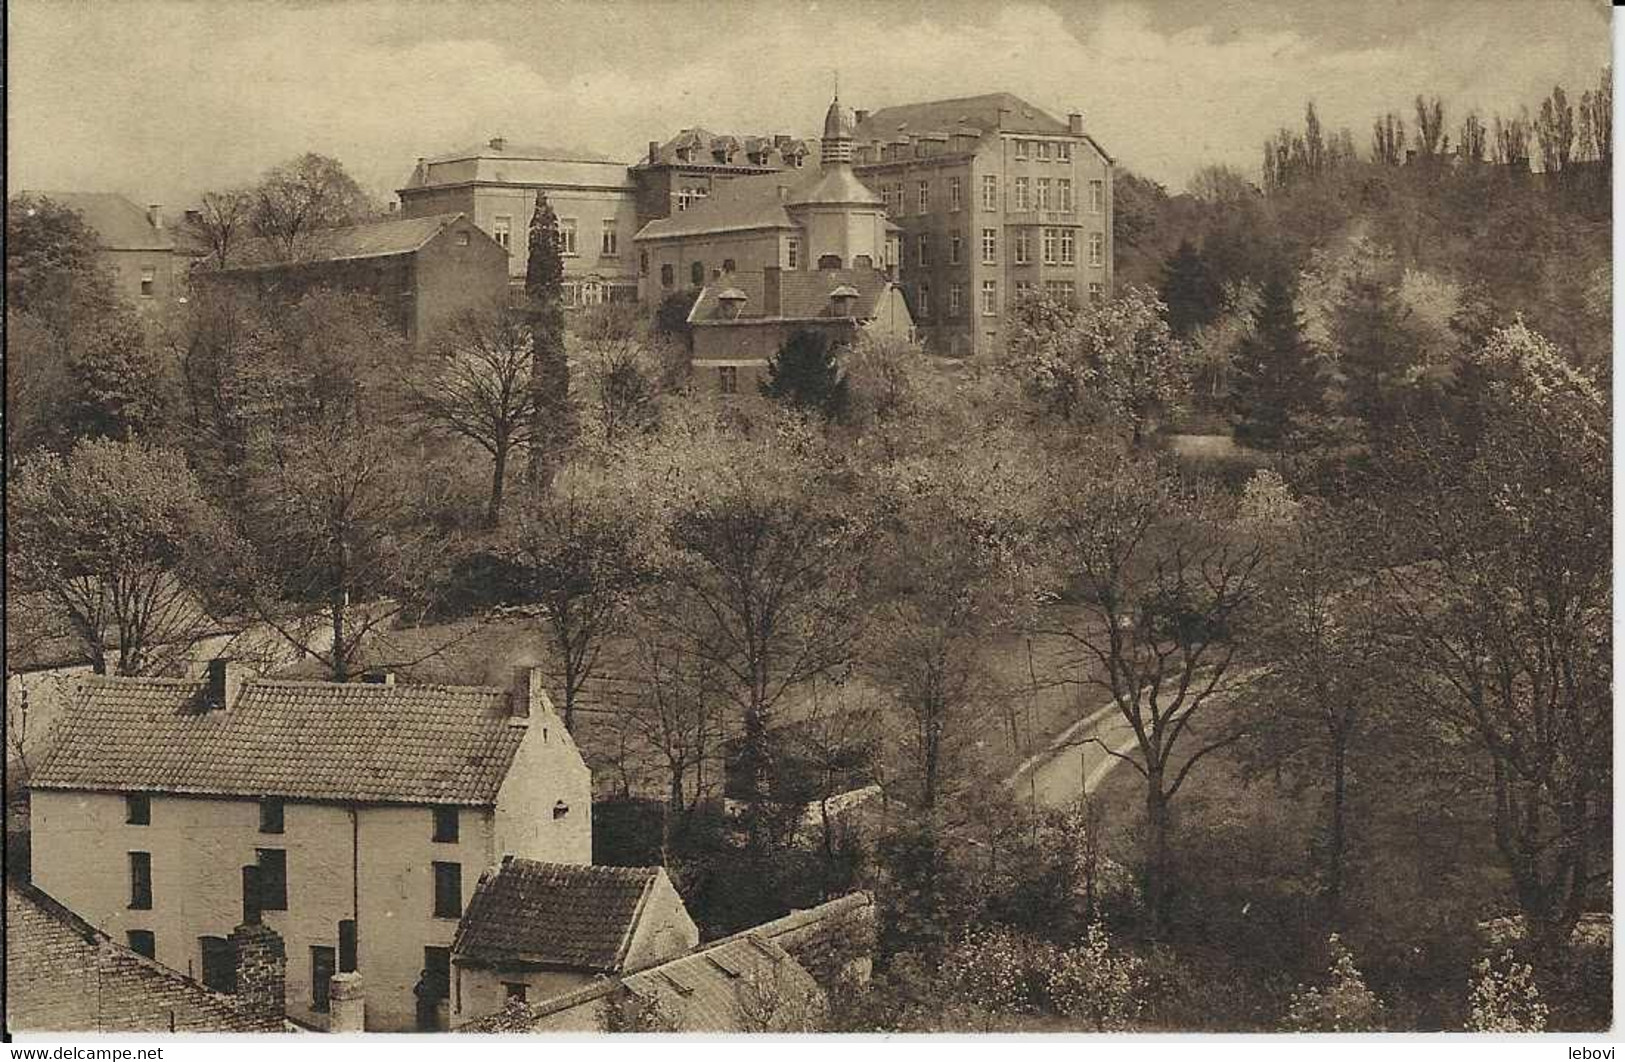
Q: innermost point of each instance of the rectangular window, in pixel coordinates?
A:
(1021, 193)
(567, 236)
(990, 298)
(990, 246)
(1064, 290)
(1063, 195)
(273, 878)
(990, 192)
(793, 254)
(953, 193)
(1043, 193)
(1097, 197)
(1051, 245)
(1063, 152)
(668, 276)
(445, 824)
(1021, 151)
(141, 881)
(1024, 246)
(611, 245)
(925, 300)
(1097, 292)
(954, 245)
(502, 230)
(323, 964)
(1043, 151)
(1069, 251)
(271, 816)
(149, 277)
(1097, 249)
(448, 890)
(925, 197)
(728, 379)
(138, 809)
(515, 990)
(142, 942)
(922, 247)
(1024, 288)
(956, 295)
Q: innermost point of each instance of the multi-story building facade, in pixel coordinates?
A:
(355, 816)
(685, 170)
(136, 245)
(495, 185)
(995, 199)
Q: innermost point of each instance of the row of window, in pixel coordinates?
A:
(1059, 247)
(273, 883)
(609, 238)
(1043, 194)
(1062, 289)
(1043, 150)
(138, 812)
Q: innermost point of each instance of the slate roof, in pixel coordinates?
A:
(553, 914)
(121, 225)
(702, 142)
(804, 294)
(351, 742)
(943, 116)
(533, 152)
(373, 239)
(707, 990)
(753, 202)
(64, 974)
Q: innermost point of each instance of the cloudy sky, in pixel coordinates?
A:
(161, 100)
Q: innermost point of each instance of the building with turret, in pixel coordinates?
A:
(805, 247)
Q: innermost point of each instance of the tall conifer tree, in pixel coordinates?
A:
(550, 370)
(1275, 383)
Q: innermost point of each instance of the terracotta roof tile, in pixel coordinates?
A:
(301, 740)
(553, 914)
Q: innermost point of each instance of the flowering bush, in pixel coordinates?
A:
(1097, 984)
(1502, 997)
(1343, 1004)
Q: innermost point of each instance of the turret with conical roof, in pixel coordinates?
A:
(838, 129)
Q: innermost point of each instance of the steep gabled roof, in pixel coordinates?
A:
(65, 975)
(373, 239)
(983, 113)
(554, 914)
(803, 294)
(120, 224)
(297, 740)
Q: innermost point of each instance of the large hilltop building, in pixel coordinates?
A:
(995, 199)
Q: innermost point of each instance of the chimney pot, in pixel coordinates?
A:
(225, 682)
(527, 695)
(1074, 123)
(654, 151)
(155, 215)
(348, 1013)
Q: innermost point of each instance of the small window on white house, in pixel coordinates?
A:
(502, 230)
(149, 280)
(727, 379)
(611, 245)
(567, 236)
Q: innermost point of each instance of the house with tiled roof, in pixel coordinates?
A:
(494, 185)
(803, 248)
(353, 814)
(65, 975)
(136, 243)
(423, 270)
(997, 199)
(535, 930)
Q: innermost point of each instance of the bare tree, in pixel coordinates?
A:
(1473, 140)
(1554, 131)
(1512, 140)
(1431, 140)
(1597, 119)
(1165, 583)
(1388, 140)
(222, 221)
(476, 386)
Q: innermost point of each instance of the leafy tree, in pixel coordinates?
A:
(36, 371)
(1554, 131)
(1512, 139)
(1130, 360)
(1189, 290)
(805, 375)
(1275, 381)
(301, 196)
(118, 535)
(1597, 119)
(1473, 140)
(550, 367)
(1498, 586)
(1136, 205)
(477, 387)
(222, 221)
(1166, 583)
(53, 264)
(115, 387)
(1218, 185)
(1342, 1004)
(624, 381)
(1388, 140)
(1431, 140)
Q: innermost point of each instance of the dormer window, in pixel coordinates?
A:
(730, 302)
(560, 809)
(845, 300)
(684, 155)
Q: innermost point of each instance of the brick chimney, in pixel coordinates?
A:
(347, 1003)
(155, 216)
(859, 117)
(527, 694)
(654, 151)
(499, 143)
(260, 958)
(378, 676)
(771, 292)
(1074, 123)
(225, 683)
